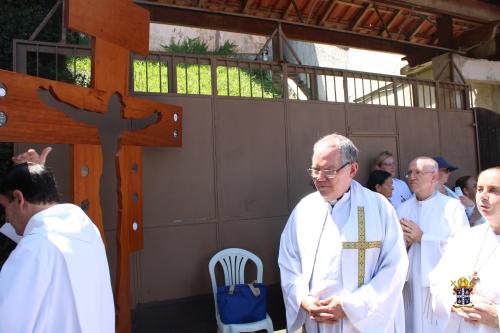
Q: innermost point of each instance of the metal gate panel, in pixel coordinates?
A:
(250, 158)
(182, 179)
(306, 123)
(371, 119)
(418, 135)
(369, 147)
(458, 142)
(174, 262)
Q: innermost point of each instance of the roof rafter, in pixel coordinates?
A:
(245, 4)
(327, 12)
(360, 15)
(420, 24)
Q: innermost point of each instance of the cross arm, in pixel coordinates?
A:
(30, 119)
(166, 132)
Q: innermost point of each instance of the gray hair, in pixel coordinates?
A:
(348, 151)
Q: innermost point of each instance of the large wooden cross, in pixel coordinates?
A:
(117, 27)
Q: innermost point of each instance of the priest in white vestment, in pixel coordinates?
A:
(429, 219)
(57, 279)
(475, 255)
(342, 257)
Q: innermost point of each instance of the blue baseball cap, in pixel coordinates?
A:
(443, 164)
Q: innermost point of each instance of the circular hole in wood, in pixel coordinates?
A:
(175, 134)
(3, 91)
(135, 168)
(3, 118)
(135, 225)
(135, 197)
(85, 205)
(84, 171)
(176, 117)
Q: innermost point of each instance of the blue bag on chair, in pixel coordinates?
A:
(242, 303)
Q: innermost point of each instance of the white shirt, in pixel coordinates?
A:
(439, 218)
(57, 279)
(477, 249)
(312, 261)
(400, 192)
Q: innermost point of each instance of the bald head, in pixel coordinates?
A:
(488, 196)
(422, 176)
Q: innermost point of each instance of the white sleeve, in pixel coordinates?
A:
(292, 282)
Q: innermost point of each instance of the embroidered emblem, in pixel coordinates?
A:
(463, 288)
(361, 245)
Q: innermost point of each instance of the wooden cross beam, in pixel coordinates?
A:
(361, 245)
(31, 119)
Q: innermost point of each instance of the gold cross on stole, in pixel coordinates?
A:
(361, 245)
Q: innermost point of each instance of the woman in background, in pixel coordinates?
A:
(380, 181)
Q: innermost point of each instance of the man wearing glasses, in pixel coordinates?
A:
(429, 219)
(342, 257)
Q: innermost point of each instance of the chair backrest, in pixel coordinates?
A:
(233, 262)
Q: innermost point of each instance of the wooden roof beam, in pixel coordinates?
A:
(386, 32)
(361, 14)
(245, 4)
(235, 22)
(469, 10)
(381, 18)
(444, 32)
(297, 11)
(287, 10)
(327, 13)
(417, 29)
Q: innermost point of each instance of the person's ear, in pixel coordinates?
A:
(18, 197)
(353, 169)
(377, 187)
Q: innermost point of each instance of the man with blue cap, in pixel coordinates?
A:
(445, 169)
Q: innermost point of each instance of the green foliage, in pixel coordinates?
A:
(194, 79)
(197, 79)
(197, 46)
(188, 45)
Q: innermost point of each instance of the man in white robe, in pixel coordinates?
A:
(57, 279)
(342, 268)
(428, 219)
(475, 252)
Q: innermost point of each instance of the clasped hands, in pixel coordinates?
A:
(411, 231)
(483, 312)
(328, 310)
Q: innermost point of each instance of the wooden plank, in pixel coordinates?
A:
(117, 21)
(29, 119)
(360, 15)
(245, 4)
(128, 239)
(327, 12)
(166, 132)
(87, 170)
(417, 29)
(110, 66)
(130, 185)
(386, 32)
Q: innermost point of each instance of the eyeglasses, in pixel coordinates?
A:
(416, 173)
(328, 173)
(393, 164)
